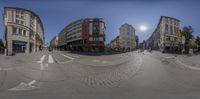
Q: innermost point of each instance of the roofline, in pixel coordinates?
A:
(79, 20)
(170, 18)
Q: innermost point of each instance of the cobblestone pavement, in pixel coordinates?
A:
(105, 76)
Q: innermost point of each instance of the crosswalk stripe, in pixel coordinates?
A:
(41, 59)
(67, 56)
(50, 60)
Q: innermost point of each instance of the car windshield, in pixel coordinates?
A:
(99, 49)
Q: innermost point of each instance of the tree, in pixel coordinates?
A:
(198, 42)
(1, 43)
(187, 33)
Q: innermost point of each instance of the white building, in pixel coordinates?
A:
(166, 36)
(127, 38)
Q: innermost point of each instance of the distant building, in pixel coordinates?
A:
(143, 45)
(127, 40)
(83, 35)
(137, 41)
(54, 42)
(24, 32)
(166, 36)
(114, 44)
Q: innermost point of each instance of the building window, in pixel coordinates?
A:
(22, 17)
(20, 31)
(175, 39)
(171, 31)
(14, 30)
(166, 28)
(24, 32)
(22, 22)
(167, 38)
(17, 16)
(17, 21)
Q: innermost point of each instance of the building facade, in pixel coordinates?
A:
(114, 44)
(166, 36)
(127, 40)
(83, 35)
(137, 41)
(54, 42)
(24, 32)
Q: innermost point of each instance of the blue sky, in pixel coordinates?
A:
(56, 14)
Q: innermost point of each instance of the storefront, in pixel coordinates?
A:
(19, 46)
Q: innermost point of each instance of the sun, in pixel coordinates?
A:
(143, 28)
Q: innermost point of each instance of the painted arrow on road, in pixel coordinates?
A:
(24, 86)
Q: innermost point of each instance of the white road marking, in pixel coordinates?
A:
(50, 59)
(67, 56)
(5, 69)
(170, 57)
(42, 67)
(41, 59)
(32, 82)
(24, 86)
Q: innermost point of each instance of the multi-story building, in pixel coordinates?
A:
(83, 35)
(24, 31)
(114, 44)
(54, 42)
(166, 36)
(127, 40)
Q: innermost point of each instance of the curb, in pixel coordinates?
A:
(187, 66)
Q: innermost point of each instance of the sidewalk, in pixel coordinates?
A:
(192, 62)
(5, 61)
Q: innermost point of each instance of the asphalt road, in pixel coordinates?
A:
(66, 75)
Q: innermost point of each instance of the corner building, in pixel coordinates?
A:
(83, 35)
(24, 32)
(166, 37)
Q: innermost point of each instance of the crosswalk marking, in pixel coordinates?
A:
(50, 60)
(41, 59)
(67, 56)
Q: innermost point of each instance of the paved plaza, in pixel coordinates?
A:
(70, 75)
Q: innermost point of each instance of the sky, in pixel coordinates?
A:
(56, 14)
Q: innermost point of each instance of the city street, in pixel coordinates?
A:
(61, 75)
